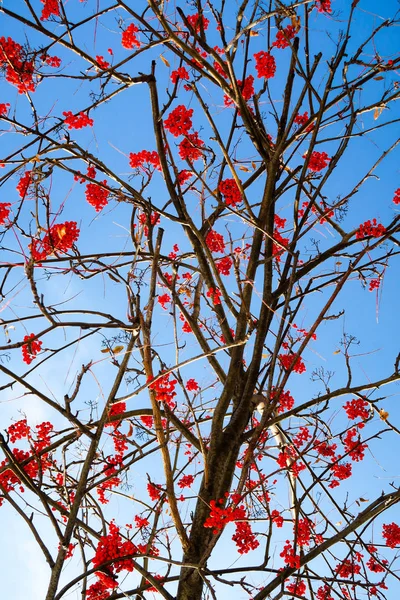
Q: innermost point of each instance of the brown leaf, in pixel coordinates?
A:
(378, 111)
(118, 349)
(105, 351)
(253, 33)
(379, 78)
(166, 63)
(383, 414)
(243, 168)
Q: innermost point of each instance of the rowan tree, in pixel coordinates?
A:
(199, 212)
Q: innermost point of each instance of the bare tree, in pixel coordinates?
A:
(189, 211)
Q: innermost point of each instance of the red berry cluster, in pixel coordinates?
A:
(147, 421)
(285, 401)
(129, 39)
(215, 241)
(265, 64)
(103, 64)
(137, 160)
(179, 73)
(396, 197)
(30, 348)
(215, 295)
(96, 195)
(51, 7)
(18, 430)
(348, 568)
(231, 192)
(4, 108)
(290, 362)
(43, 431)
(391, 533)
(324, 6)
(116, 409)
(165, 389)
(298, 588)
(24, 183)
(192, 385)
(370, 229)
(19, 70)
(354, 446)
(224, 265)
(303, 532)
(184, 176)
(283, 36)
(4, 211)
(374, 284)
(190, 147)
(185, 481)
(60, 238)
(244, 538)
(357, 408)
(289, 556)
(317, 161)
(141, 522)
(52, 61)
(77, 121)
(179, 122)
(197, 21)
(324, 593)
(163, 300)
(153, 491)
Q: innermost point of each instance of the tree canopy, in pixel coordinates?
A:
(199, 232)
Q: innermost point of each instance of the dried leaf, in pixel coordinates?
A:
(243, 168)
(378, 78)
(105, 351)
(254, 165)
(130, 430)
(363, 500)
(166, 63)
(378, 111)
(253, 33)
(337, 352)
(118, 349)
(111, 276)
(296, 22)
(383, 414)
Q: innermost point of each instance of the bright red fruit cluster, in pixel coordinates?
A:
(77, 121)
(165, 389)
(283, 36)
(318, 161)
(51, 7)
(265, 64)
(24, 183)
(396, 197)
(215, 295)
(19, 70)
(224, 265)
(96, 195)
(190, 147)
(289, 556)
(180, 73)
(179, 122)
(137, 160)
(129, 39)
(186, 481)
(4, 108)
(231, 192)
(4, 211)
(391, 533)
(357, 408)
(289, 361)
(197, 21)
(60, 238)
(192, 385)
(370, 229)
(215, 241)
(30, 348)
(244, 538)
(298, 588)
(324, 6)
(18, 430)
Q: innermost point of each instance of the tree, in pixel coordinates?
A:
(190, 234)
